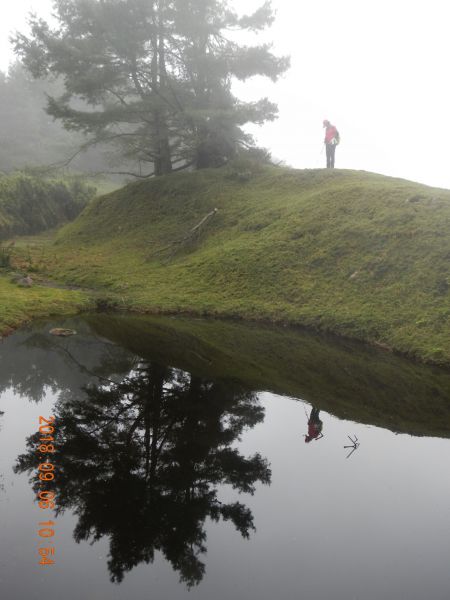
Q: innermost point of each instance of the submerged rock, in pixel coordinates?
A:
(62, 332)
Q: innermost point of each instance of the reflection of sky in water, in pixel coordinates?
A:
(374, 526)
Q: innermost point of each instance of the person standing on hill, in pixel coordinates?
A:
(331, 141)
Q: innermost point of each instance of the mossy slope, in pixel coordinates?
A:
(355, 253)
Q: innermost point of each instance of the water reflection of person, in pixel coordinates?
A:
(314, 426)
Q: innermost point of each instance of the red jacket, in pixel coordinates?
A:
(330, 133)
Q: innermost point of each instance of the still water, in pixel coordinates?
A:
(198, 460)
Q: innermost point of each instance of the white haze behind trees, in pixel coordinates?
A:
(377, 69)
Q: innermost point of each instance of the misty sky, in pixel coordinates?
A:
(377, 69)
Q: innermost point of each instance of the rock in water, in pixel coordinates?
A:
(62, 332)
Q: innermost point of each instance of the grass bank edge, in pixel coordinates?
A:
(19, 305)
(357, 254)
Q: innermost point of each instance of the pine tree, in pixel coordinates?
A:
(208, 60)
(153, 76)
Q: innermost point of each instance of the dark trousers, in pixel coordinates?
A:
(314, 416)
(331, 149)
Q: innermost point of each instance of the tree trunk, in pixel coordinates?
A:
(163, 162)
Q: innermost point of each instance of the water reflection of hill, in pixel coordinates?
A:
(348, 380)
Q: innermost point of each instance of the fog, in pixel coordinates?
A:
(377, 70)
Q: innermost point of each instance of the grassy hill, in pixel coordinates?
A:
(355, 253)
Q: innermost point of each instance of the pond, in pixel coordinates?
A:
(171, 458)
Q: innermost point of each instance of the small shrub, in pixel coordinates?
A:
(5, 257)
(30, 204)
(106, 304)
(247, 164)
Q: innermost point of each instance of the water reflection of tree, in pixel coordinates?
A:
(33, 362)
(141, 462)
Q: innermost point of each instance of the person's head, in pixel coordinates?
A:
(308, 438)
(326, 123)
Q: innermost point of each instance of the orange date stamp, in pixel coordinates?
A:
(46, 498)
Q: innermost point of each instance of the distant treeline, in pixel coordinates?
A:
(29, 136)
(31, 204)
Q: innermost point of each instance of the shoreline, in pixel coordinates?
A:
(108, 305)
(346, 254)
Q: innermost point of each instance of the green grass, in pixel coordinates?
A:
(358, 254)
(19, 305)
